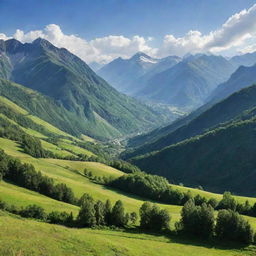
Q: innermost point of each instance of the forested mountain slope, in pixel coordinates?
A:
(226, 110)
(219, 160)
(100, 109)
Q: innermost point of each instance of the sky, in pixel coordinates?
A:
(102, 30)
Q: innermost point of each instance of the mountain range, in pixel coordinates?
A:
(182, 83)
(130, 75)
(83, 97)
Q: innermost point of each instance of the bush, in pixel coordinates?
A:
(33, 211)
(61, 218)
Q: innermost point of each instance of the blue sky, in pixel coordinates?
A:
(93, 19)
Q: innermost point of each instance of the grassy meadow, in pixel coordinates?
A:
(28, 238)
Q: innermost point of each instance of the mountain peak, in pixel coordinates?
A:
(138, 55)
(42, 42)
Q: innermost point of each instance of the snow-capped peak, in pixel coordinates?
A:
(149, 60)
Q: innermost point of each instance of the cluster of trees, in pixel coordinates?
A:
(156, 188)
(97, 213)
(37, 212)
(26, 176)
(92, 213)
(228, 202)
(199, 220)
(154, 218)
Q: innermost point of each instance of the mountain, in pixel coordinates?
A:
(187, 84)
(248, 59)
(242, 77)
(162, 65)
(221, 160)
(101, 110)
(122, 73)
(196, 123)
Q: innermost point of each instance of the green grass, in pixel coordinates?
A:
(55, 149)
(22, 197)
(60, 171)
(25, 237)
(67, 145)
(63, 171)
(97, 169)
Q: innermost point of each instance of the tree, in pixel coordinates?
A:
(213, 203)
(197, 220)
(153, 218)
(118, 214)
(145, 215)
(227, 202)
(99, 213)
(84, 198)
(133, 217)
(86, 216)
(108, 213)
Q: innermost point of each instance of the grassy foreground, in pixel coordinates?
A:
(25, 237)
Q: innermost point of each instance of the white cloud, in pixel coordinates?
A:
(236, 35)
(233, 34)
(100, 50)
(4, 37)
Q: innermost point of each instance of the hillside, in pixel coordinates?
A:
(226, 110)
(60, 241)
(221, 159)
(82, 97)
(85, 241)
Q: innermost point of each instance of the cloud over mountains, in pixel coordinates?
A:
(237, 34)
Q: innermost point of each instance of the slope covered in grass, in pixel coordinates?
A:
(16, 239)
(22, 197)
(70, 173)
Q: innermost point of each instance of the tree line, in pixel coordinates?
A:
(196, 220)
(26, 176)
(157, 188)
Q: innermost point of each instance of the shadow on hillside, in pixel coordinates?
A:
(171, 237)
